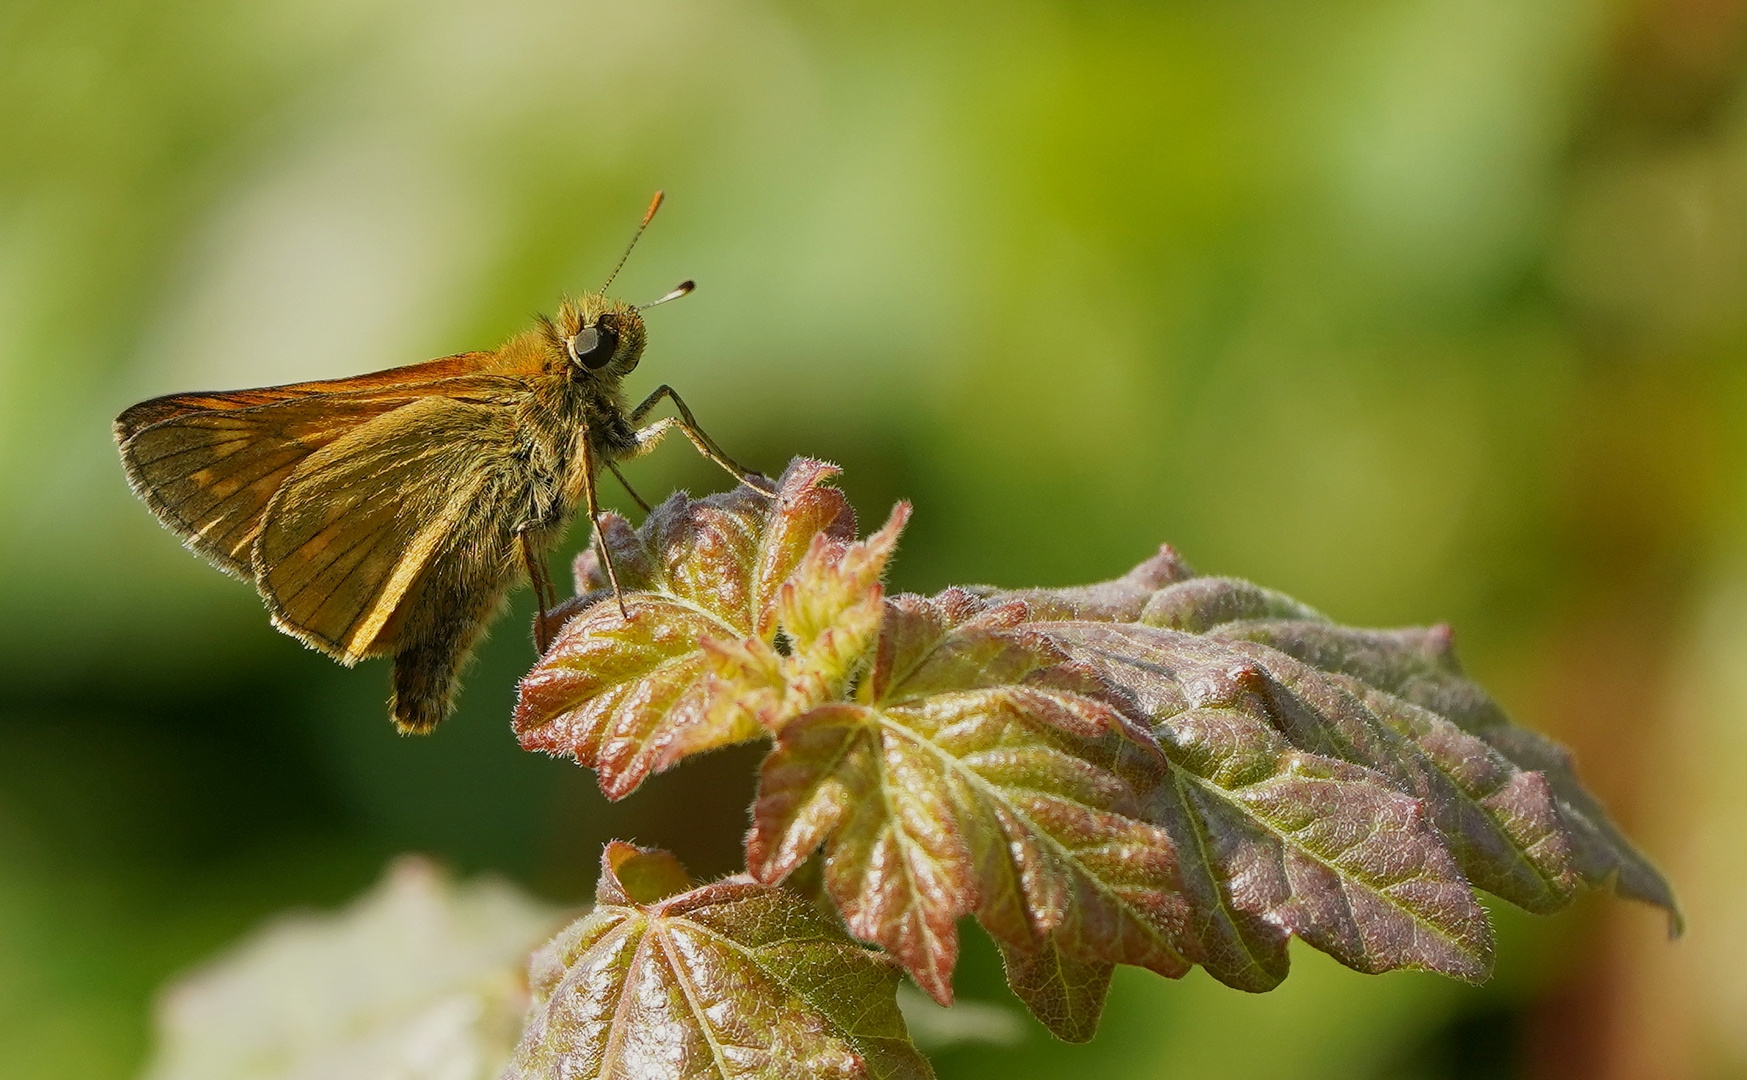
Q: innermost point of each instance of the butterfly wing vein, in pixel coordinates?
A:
(320, 492)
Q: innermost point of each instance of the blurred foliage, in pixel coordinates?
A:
(1415, 309)
(419, 978)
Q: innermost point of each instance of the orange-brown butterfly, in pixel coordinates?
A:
(388, 514)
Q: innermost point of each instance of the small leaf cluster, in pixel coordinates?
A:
(1163, 770)
(729, 979)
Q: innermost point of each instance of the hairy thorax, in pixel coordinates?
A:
(560, 410)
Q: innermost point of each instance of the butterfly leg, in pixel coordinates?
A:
(626, 484)
(545, 596)
(649, 436)
(594, 517)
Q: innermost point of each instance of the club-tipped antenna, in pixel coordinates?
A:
(654, 205)
(673, 294)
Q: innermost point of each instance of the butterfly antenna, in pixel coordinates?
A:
(654, 205)
(673, 294)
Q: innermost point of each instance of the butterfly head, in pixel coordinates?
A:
(605, 336)
(601, 335)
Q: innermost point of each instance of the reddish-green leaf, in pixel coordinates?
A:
(1401, 669)
(1276, 839)
(829, 612)
(728, 980)
(1160, 770)
(977, 773)
(1412, 681)
(1505, 800)
(627, 697)
(1065, 994)
(1120, 600)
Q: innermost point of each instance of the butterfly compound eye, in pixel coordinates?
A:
(593, 346)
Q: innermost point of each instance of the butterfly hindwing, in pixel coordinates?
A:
(352, 529)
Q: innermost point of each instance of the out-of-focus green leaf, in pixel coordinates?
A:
(733, 979)
(419, 979)
(964, 1023)
(619, 695)
(977, 773)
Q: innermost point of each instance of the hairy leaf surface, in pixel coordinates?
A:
(1277, 839)
(1404, 669)
(829, 613)
(978, 773)
(1506, 801)
(628, 697)
(733, 980)
(1066, 994)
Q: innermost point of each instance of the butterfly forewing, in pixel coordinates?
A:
(208, 464)
(393, 384)
(210, 475)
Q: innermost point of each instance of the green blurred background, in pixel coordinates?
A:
(1416, 309)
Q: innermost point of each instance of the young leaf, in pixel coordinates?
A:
(1418, 667)
(1119, 600)
(977, 773)
(620, 694)
(732, 980)
(1160, 770)
(1506, 800)
(1065, 994)
(829, 612)
(1276, 840)
(1500, 821)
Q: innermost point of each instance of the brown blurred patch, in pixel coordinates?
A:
(1646, 454)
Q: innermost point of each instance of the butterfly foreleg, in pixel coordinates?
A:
(594, 518)
(686, 422)
(626, 484)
